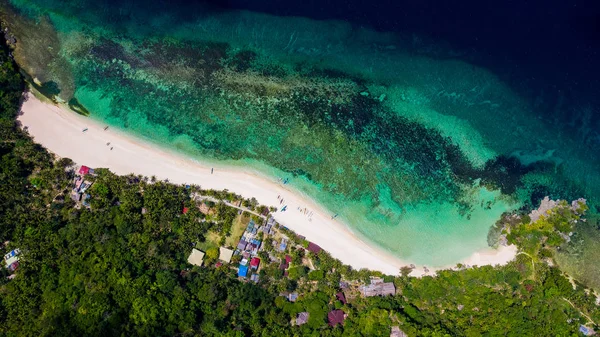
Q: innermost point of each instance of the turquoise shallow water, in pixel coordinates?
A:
(413, 151)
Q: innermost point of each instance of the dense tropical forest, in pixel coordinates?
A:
(119, 266)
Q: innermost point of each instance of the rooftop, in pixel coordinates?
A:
(196, 257)
(396, 332)
(302, 318)
(340, 296)
(335, 317)
(225, 254)
(313, 248)
(242, 271)
(378, 289)
(83, 170)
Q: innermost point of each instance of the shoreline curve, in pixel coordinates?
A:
(59, 130)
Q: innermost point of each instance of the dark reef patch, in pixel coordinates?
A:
(505, 173)
(77, 107)
(241, 61)
(108, 50)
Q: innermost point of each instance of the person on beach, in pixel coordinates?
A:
(84, 130)
(211, 170)
(111, 148)
(106, 128)
(107, 144)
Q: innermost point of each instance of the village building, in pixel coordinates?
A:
(341, 297)
(282, 246)
(84, 170)
(302, 318)
(254, 263)
(196, 257)
(313, 248)
(378, 289)
(242, 245)
(586, 331)
(242, 270)
(249, 244)
(268, 228)
(225, 254)
(80, 186)
(254, 278)
(336, 317)
(396, 332)
(11, 259)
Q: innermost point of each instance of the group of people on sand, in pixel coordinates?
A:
(281, 202)
(105, 128)
(305, 211)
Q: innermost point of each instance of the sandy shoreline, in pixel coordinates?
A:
(60, 131)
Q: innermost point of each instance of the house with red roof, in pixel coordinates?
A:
(336, 317)
(254, 263)
(313, 248)
(341, 297)
(83, 170)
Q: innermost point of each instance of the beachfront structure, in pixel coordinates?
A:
(313, 248)
(378, 289)
(225, 254)
(302, 318)
(84, 170)
(196, 257)
(242, 271)
(336, 317)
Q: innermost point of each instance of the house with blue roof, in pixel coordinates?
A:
(282, 247)
(586, 331)
(242, 271)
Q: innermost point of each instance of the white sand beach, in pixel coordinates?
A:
(60, 131)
